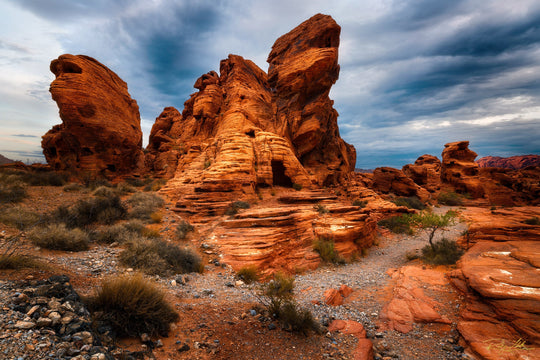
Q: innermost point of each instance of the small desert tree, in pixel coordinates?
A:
(431, 222)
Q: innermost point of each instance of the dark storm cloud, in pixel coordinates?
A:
(415, 74)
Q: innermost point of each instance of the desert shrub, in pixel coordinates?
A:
(12, 193)
(104, 191)
(73, 187)
(207, 164)
(132, 305)
(156, 217)
(400, 224)
(19, 217)
(532, 221)
(277, 297)
(450, 198)
(281, 286)
(44, 178)
(100, 209)
(158, 257)
(412, 202)
(297, 187)
(360, 203)
(93, 184)
(144, 204)
(58, 237)
(154, 184)
(294, 318)
(137, 182)
(236, 206)
(321, 209)
(12, 259)
(125, 188)
(249, 274)
(110, 234)
(326, 248)
(135, 226)
(443, 252)
(182, 229)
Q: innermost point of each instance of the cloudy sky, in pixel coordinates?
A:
(415, 74)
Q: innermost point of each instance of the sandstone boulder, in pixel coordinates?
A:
(100, 132)
(389, 180)
(459, 169)
(425, 172)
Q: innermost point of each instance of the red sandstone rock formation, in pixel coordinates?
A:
(303, 68)
(459, 169)
(100, 131)
(389, 180)
(425, 172)
(409, 303)
(499, 274)
(512, 162)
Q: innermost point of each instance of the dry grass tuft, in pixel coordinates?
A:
(58, 237)
(133, 305)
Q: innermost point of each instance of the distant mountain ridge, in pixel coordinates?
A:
(512, 162)
(5, 160)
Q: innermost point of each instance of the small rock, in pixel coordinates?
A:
(271, 326)
(24, 325)
(183, 348)
(159, 343)
(43, 322)
(252, 312)
(145, 337)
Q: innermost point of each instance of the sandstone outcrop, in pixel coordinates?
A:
(512, 162)
(425, 172)
(100, 132)
(499, 274)
(409, 303)
(459, 169)
(245, 129)
(389, 180)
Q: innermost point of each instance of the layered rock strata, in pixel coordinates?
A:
(100, 132)
(499, 274)
(512, 162)
(459, 169)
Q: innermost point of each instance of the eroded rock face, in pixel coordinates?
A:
(389, 180)
(100, 132)
(425, 172)
(512, 162)
(303, 68)
(499, 274)
(460, 170)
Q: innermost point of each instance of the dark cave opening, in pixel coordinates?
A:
(278, 174)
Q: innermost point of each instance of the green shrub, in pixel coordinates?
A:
(450, 198)
(48, 178)
(249, 274)
(104, 210)
(321, 209)
(144, 204)
(93, 184)
(12, 193)
(412, 202)
(132, 305)
(532, 221)
(443, 252)
(360, 203)
(277, 296)
(137, 182)
(207, 164)
(154, 184)
(326, 249)
(280, 286)
(236, 206)
(19, 217)
(297, 187)
(182, 229)
(158, 257)
(58, 237)
(400, 224)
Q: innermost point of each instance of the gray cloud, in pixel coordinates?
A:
(25, 135)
